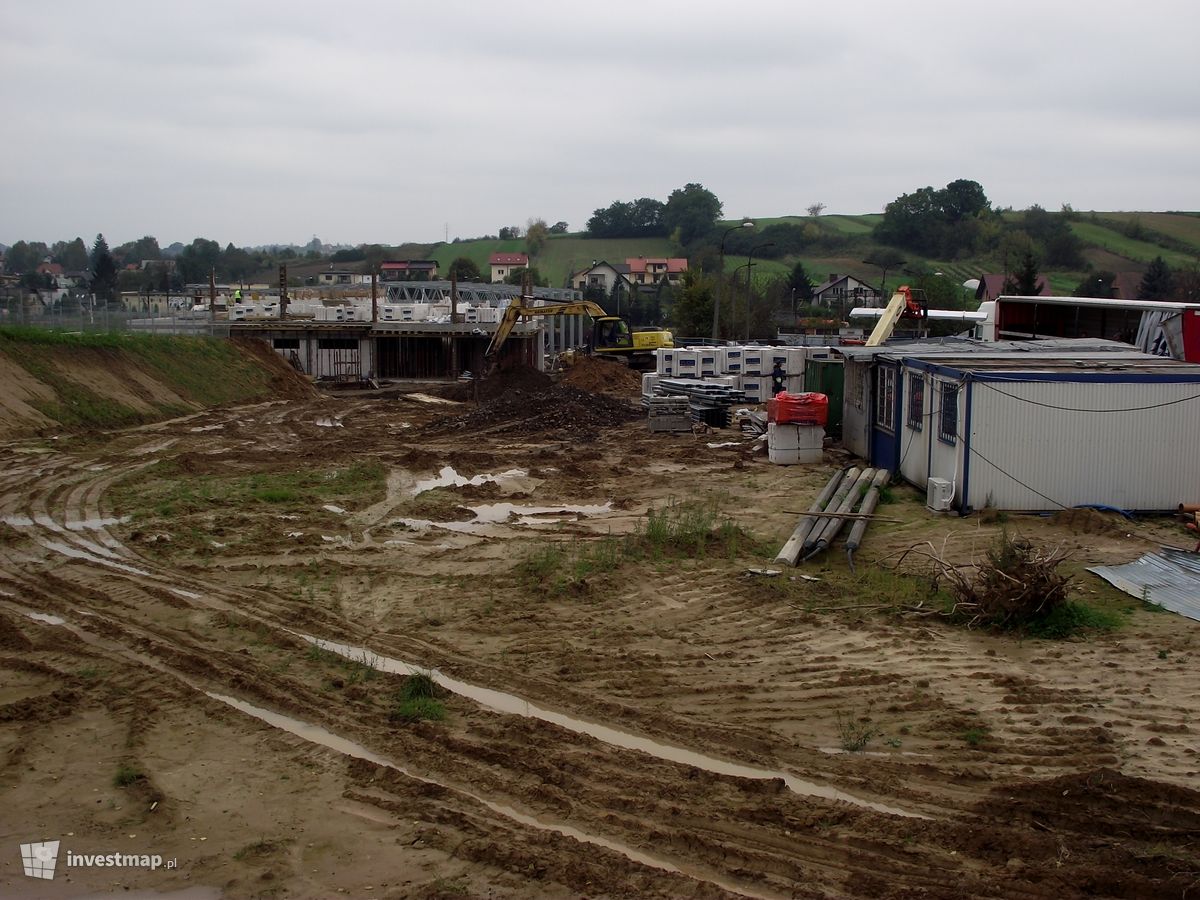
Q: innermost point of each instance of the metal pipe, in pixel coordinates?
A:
(833, 526)
(868, 507)
(790, 553)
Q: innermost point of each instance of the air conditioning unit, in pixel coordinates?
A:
(939, 493)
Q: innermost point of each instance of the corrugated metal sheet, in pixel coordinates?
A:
(1170, 580)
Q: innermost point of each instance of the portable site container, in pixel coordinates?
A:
(824, 376)
(1029, 426)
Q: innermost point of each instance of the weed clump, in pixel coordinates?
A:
(1016, 587)
(418, 699)
(126, 775)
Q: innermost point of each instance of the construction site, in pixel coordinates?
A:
(356, 624)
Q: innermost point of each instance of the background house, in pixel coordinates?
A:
(839, 291)
(602, 275)
(408, 270)
(653, 270)
(503, 264)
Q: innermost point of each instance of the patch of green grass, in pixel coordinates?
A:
(126, 775)
(418, 699)
(165, 490)
(89, 673)
(855, 732)
(976, 736)
(1072, 618)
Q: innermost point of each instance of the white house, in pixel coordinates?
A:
(503, 264)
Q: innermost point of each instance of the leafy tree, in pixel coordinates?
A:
(536, 231)
(510, 233)
(691, 211)
(799, 282)
(939, 223)
(559, 227)
(464, 269)
(136, 251)
(1052, 234)
(202, 256)
(706, 259)
(23, 257)
(1156, 283)
(885, 258)
(1098, 284)
(350, 254)
(517, 276)
(235, 264)
(641, 218)
(103, 268)
(1024, 281)
(816, 209)
(73, 256)
(964, 199)
(692, 311)
(1186, 284)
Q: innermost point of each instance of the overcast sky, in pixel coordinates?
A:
(263, 122)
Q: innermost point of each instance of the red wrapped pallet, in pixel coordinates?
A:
(799, 409)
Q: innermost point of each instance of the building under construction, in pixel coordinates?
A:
(439, 334)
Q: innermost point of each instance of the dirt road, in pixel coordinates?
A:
(205, 625)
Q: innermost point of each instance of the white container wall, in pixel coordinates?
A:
(1142, 459)
(755, 361)
(709, 361)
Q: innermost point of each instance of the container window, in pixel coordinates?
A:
(885, 398)
(948, 413)
(916, 400)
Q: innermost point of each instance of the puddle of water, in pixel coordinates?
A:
(501, 512)
(428, 398)
(47, 618)
(152, 448)
(200, 428)
(182, 593)
(329, 507)
(76, 553)
(287, 516)
(317, 735)
(518, 706)
(724, 444)
(838, 751)
(96, 524)
(448, 477)
(492, 514)
(326, 422)
(17, 521)
(295, 534)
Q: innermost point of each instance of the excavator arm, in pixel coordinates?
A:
(521, 310)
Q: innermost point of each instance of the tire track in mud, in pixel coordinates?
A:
(725, 827)
(134, 596)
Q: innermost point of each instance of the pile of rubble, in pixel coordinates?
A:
(559, 411)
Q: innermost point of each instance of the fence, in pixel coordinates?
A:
(103, 319)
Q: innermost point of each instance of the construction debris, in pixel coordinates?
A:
(556, 410)
(833, 507)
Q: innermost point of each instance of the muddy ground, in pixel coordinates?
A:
(650, 724)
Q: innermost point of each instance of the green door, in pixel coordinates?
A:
(825, 376)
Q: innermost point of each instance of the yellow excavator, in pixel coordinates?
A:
(610, 336)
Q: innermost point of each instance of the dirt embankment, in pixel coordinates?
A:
(77, 382)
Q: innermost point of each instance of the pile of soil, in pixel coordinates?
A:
(556, 411)
(504, 381)
(604, 376)
(1089, 521)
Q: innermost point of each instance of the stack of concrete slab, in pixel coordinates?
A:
(668, 414)
(749, 366)
(789, 445)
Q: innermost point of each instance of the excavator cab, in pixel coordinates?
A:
(611, 333)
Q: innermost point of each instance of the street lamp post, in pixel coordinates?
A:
(721, 285)
(749, 263)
